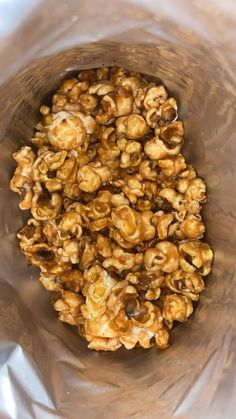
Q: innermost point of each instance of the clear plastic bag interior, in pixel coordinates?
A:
(46, 369)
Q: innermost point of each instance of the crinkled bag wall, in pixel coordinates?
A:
(46, 370)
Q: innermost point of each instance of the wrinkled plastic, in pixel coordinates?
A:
(46, 370)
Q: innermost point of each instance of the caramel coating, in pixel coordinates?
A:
(129, 224)
(91, 176)
(30, 233)
(196, 256)
(157, 149)
(164, 256)
(115, 225)
(177, 307)
(121, 260)
(133, 126)
(186, 283)
(69, 307)
(68, 130)
(155, 96)
(22, 181)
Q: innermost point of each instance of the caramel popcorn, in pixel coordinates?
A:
(49, 281)
(121, 260)
(165, 223)
(172, 133)
(22, 181)
(196, 256)
(73, 280)
(46, 257)
(194, 189)
(155, 96)
(132, 82)
(131, 155)
(133, 126)
(115, 225)
(157, 149)
(104, 246)
(173, 197)
(96, 294)
(163, 256)
(133, 187)
(69, 307)
(129, 223)
(177, 307)
(108, 150)
(148, 170)
(98, 209)
(47, 163)
(186, 283)
(191, 228)
(68, 130)
(45, 206)
(70, 225)
(172, 166)
(89, 256)
(31, 233)
(91, 176)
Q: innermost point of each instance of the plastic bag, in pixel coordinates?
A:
(46, 369)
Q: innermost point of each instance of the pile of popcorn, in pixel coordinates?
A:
(116, 225)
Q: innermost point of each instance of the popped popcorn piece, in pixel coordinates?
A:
(129, 223)
(186, 283)
(70, 225)
(155, 96)
(172, 166)
(65, 130)
(195, 256)
(133, 126)
(191, 228)
(30, 233)
(165, 223)
(91, 176)
(172, 133)
(108, 150)
(164, 256)
(46, 257)
(69, 307)
(45, 206)
(133, 187)
(22, 181)
(47, 163)
(177, 307)
(157, 149)
(121, 260)
(147, 170)
(131, 155)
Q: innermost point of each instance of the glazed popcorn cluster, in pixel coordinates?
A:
(115, 223)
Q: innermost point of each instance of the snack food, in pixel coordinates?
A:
(116, 227)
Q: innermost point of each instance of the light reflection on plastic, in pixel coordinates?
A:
(12, 13)
(6, 394)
